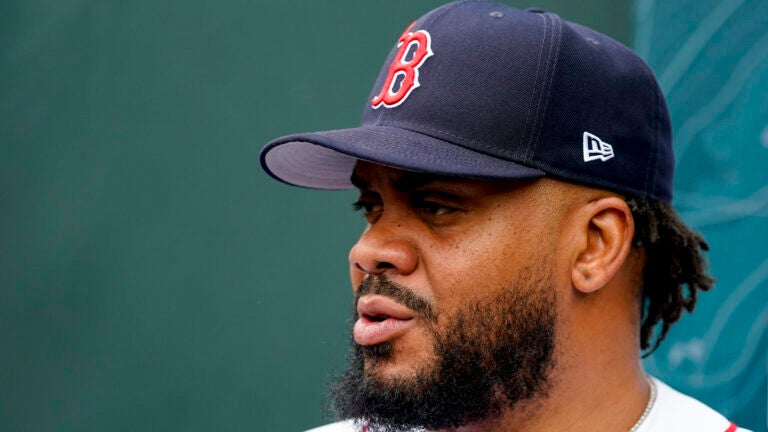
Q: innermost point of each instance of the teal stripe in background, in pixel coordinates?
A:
(711, 57)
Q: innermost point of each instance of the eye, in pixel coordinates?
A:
(364, 206)
(434, 209)
(432, 206)
(368, 206)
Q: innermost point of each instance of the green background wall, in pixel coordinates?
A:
(151, 276)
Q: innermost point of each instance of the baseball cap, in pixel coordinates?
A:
(481, 90)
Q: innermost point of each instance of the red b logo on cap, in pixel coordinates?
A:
(404, 71)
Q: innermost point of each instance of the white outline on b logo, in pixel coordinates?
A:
(408, 70)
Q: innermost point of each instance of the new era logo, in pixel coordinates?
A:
(595, 148)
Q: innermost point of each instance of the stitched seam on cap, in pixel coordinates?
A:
(556, 39)
(652, 147)
(459, 140)
(524, 156)
(650, 172)
(419, 128)
(652, 159)
(548, 35)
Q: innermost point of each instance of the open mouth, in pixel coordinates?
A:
(381, 319)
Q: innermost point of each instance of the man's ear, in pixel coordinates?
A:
(606, 229)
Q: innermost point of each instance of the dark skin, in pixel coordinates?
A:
(455, 241)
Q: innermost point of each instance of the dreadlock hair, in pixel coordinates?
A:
(675, 268)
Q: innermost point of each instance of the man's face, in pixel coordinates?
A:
(455, 298)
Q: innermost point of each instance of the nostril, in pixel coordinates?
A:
(380, 266)
(376, 269)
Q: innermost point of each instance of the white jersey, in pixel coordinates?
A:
(672, 411)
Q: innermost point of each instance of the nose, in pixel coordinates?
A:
(382, 248)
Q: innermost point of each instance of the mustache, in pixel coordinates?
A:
(382, 286)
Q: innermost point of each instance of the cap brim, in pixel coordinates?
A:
(325, 160)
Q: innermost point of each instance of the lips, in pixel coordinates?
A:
(381, 319)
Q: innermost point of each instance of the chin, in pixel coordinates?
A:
(390, 371)
(386, 362)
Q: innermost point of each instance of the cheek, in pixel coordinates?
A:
(485, 261)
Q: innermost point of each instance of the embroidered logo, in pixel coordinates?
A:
(403, 75)
(595, 148)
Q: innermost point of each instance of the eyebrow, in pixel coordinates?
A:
(407, 182)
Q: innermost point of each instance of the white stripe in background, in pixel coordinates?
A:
(742, 73)
(695, 43)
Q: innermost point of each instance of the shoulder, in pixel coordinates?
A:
(343, 426)
(674, 411)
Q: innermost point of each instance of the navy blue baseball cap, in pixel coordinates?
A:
(481, 90)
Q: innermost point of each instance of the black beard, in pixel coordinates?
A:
(494, 355)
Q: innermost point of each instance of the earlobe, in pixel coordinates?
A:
(607, 233)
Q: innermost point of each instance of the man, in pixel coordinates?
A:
(515, 171)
